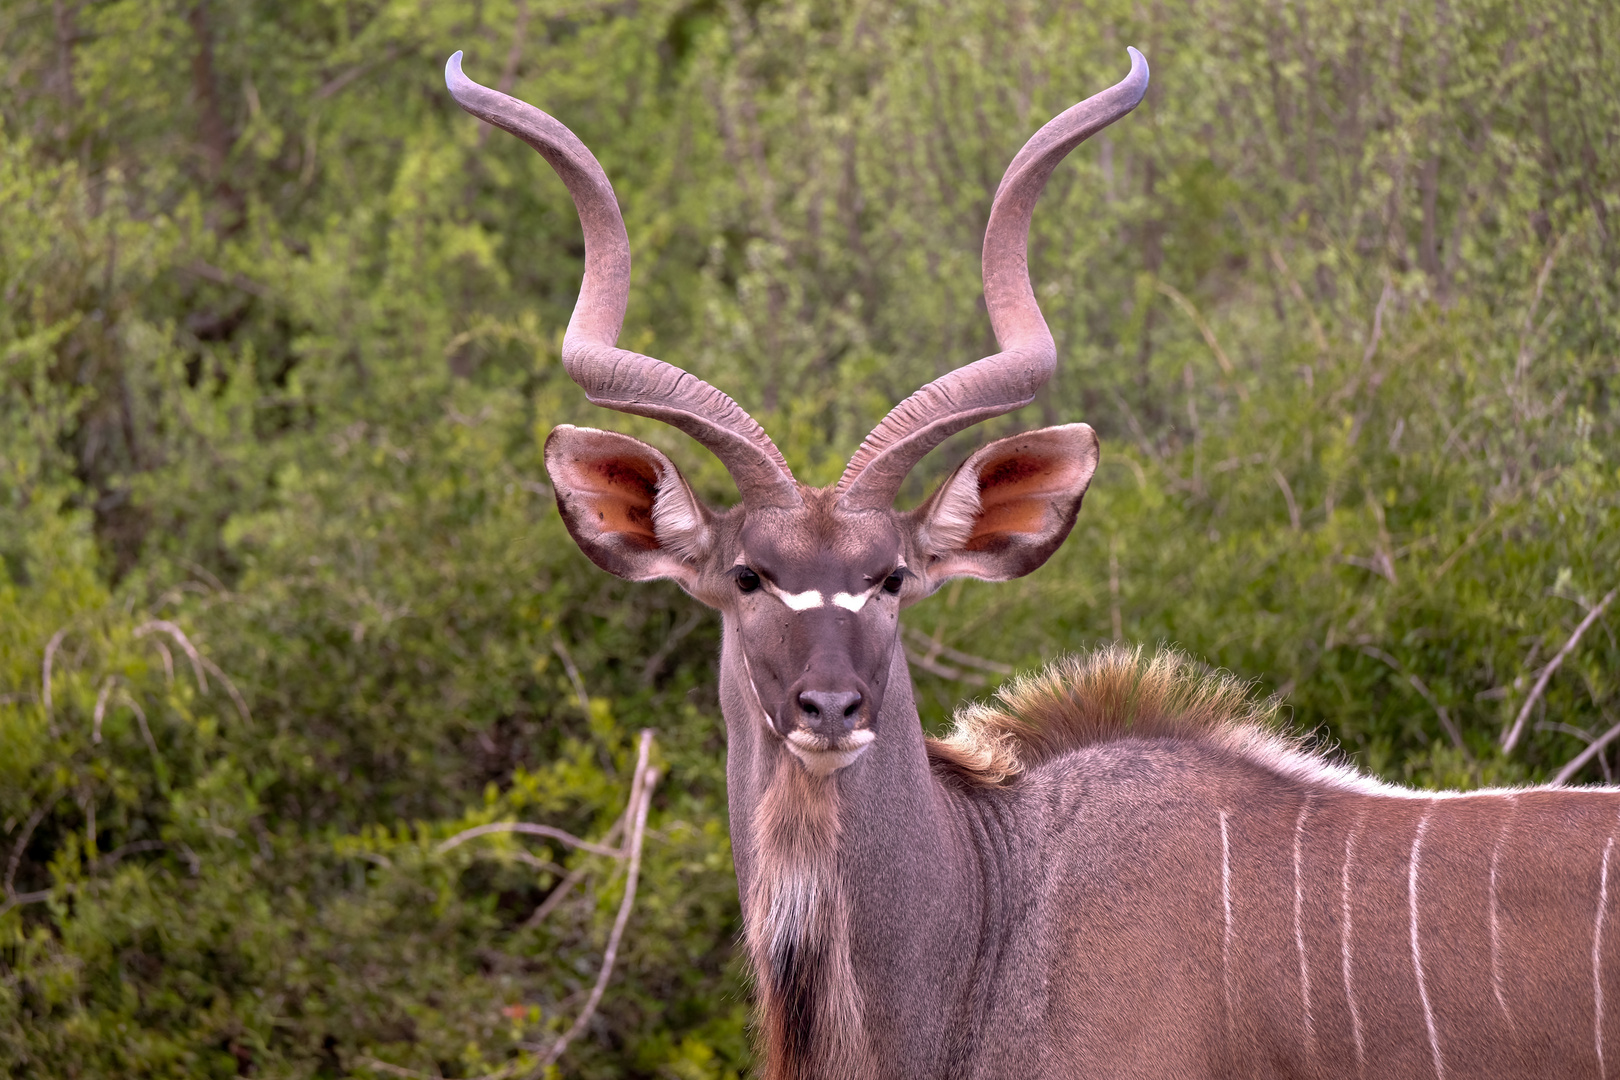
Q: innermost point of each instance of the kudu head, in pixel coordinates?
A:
(813, 579)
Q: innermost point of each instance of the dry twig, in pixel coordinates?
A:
(1288, 497)
(101, 709)
(641, 797)
(1299, 295)
(560, 891)
(1452, 731)
(955, 656)
(179, 636)
(1192, 312)
(45, 668)
(1527, 336)
(411, 1074)
(1593, 749)
(528, 829)
(1511, 739)
(569, 666)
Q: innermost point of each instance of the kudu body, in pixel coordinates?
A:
(1115, 872)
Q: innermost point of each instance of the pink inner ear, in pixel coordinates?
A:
(618, 493)
(1014, 493)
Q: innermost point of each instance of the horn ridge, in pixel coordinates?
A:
(1009, 379)
(612, 377)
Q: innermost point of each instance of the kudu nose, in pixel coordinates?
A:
(829, 712)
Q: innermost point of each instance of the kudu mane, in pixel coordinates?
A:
(1116, 692)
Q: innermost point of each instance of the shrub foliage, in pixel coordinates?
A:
(284, 603)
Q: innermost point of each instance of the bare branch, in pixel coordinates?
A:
(1473, 538)
(1114, 615)
(554, 899)
(520, 25)
(19, 899)
(412, 1074)
(957, 657)
(1348, 390)
(168, 661)
(140, 715)
(1299, 296)
(1441, 711)
(927, 662)
(527, 829)
(1526, 336)
(641, 796)
(1511, 739)
(342, 79)
(561, 650)
(560, 892)
(1422, 688)
(1567, 729)
(678, 634)
(127, 849)
(45, 668)
(1288, 497)
(1592, 750)
(230, 688)
(22, 842)
(1199, 321)
(101, 709)
(179, 635)
(1378, 324)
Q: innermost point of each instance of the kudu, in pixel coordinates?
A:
(1117, 870)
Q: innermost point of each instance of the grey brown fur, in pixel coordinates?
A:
(1118, 870)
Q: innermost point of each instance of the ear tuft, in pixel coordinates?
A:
(626, 505)
(950, 524)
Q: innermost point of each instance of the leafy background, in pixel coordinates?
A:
(278, 348)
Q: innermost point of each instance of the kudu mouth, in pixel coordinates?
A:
(826, 729)
(823, 756)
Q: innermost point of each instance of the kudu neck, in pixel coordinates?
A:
(887, 801)
(882, 846)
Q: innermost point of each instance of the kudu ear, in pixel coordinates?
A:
(1009, 506)
(627, 506)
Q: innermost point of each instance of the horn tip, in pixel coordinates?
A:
(1137, 80)
(455, 80)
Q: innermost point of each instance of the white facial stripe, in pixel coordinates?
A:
(759, 703)
(854, 601)
(796, 601)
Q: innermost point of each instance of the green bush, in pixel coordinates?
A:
(285, 604)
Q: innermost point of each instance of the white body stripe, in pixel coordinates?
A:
(1597, 956)
(1344, 943)
(1496, 926)
(1417, 954)
(1226, 941)
(1299, 929)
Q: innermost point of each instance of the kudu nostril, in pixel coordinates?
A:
(822, 705)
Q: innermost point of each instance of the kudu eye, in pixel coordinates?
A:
(892, 583)
(747, 580)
